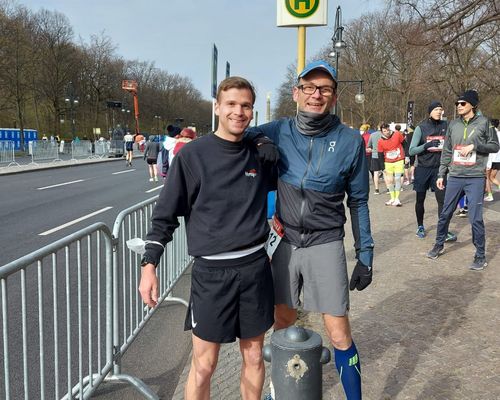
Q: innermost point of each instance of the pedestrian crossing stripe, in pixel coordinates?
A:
(302, 8)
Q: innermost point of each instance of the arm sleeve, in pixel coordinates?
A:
(415, 148)
(446, 154)
(357, 200)
(370, 142)
(176, 198)
(491, 145)
(269, 130)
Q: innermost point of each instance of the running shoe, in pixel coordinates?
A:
(396, 203)
(420, 232)
(450, 237)
(389, 202)
(268, 396)
(406, 183)
(156, 179)
(488, 197)
(462, 213)
(435, 252)
(376, 191)
(478, 264)
(150, 179)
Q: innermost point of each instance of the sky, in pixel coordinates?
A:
(178, 36)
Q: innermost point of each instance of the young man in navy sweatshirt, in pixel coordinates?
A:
(220, 187)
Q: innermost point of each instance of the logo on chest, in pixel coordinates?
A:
(252, 173)
(332, 146)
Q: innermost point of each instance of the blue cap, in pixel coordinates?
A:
(320, 64)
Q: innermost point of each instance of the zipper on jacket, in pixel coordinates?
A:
(302, 195)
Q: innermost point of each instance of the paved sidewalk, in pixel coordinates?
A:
(425, 329)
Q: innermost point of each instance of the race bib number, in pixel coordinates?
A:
(441, 143)
(467, 160)
(393, 154)
(275, 236)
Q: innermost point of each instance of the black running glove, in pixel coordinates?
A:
(432, 143)
(267, 151)
(361, 276)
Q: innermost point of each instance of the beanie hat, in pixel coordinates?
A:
(470, 96)
(434, 104)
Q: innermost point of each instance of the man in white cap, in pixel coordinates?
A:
(468, 141)
(321, 161)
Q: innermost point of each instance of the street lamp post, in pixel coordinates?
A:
(338, 45)
(72, 101)
(158, 119)
(125, 112)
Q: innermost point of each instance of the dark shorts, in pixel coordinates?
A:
(151, 161)
(129, 146)
(495, 165)
(231, 298)
(425, 178)
(376, 165)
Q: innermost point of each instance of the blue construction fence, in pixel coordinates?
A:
(14, 134)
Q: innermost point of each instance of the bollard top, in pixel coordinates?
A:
(296, 337)
(296, 334)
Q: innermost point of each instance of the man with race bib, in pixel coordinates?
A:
(468, 141)
(390, 149)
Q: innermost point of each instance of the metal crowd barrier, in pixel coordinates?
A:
(81, 149)
(44, 150)
(7, 153)
(70, 310)
(101, 148)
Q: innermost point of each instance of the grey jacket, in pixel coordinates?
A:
(152, 150)
(478, 131)
(373, 143)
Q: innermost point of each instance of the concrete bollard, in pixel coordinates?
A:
(296, 355)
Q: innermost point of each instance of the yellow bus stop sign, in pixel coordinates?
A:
(301, 12)
(302, 8)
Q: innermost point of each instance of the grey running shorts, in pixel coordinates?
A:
(231, 298)
(320, 271)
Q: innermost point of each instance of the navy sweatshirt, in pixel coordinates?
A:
(220, 187)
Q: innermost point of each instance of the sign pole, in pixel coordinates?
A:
(301, 48)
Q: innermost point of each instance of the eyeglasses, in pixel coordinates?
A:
(460, 103)
(311, 89)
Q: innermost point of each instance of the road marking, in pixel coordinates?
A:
(75, 221)
(59, 184)
(123, 172)
(154, 189)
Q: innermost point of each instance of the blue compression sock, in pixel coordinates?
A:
(349, 367)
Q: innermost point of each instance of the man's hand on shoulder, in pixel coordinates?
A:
(267, 150)
(361, 276)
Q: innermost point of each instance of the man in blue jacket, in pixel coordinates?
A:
(320, 161)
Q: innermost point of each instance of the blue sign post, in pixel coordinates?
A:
(214, 72)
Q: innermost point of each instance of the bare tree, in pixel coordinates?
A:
(56, 55)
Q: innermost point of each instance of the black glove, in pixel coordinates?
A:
(361, 276)
(432, 143)
(268, 152)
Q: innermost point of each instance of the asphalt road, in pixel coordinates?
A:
(37, 205)
(42, 206)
